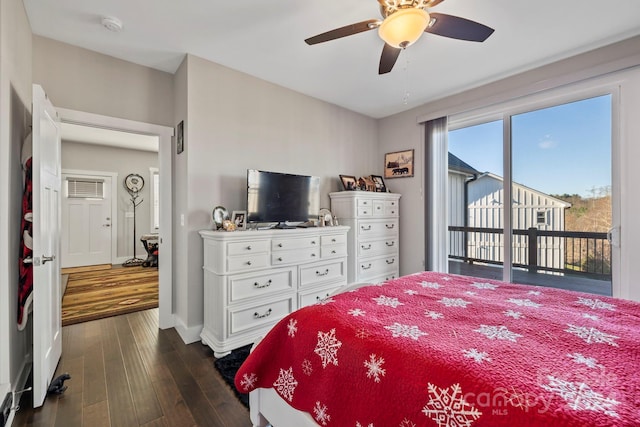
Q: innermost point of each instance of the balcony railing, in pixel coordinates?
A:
(554, 252)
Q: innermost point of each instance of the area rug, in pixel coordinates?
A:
(229, 365)
(97, 294)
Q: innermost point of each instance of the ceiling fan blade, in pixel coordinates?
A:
(344, 31)
(458, 28)
(388, 59)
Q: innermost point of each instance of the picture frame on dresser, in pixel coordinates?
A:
(349, 182)
(379, 183)
(239, 218)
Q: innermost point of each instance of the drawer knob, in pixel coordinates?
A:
(393, 212)
(333, 252)
(248, 248)
(390, 226)
(366, 267)
(366, 248)
(365, 229)
(279, 258)
(390, 243)
(248, 262)
(392, 261)
(313, 242)
(312, 255)
(279, 245)
(259, 286)
(326, 271)
(364, 212)
(261, 316)
(333, 240)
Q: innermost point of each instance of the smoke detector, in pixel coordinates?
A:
(112, 23)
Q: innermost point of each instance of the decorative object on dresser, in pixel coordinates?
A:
(239, 218)
(349, 182)
(373, 240)
(379, 183)
(254, 278)
(398, 164)
(218, 215)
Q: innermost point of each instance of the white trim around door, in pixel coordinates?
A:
(164, 133)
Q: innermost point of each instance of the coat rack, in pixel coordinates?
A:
(134, 183)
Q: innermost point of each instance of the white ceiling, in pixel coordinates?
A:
(266, 39)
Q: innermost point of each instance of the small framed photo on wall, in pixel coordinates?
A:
(398, 164)
(180, 137)
(239, 218)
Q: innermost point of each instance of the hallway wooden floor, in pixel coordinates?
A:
(126, 372)
(101, 291)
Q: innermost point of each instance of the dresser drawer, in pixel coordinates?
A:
(391, 208)
(365, 211)
(333, 251)
(305, 299)
(295, 257)
(259, 315)
(320, 273)
(376, 267)
(377, 228)
(378, 208)
(336, 239)
(289, 244)
(247, 286)
(378, 247)
(247, 262)
(247, 248)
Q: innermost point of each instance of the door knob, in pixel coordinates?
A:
(48, 258)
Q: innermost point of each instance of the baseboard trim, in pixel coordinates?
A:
(188, 334)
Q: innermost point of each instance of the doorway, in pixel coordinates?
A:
(164, 135)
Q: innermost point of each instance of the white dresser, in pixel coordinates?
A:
(254, 278)
(373, 240)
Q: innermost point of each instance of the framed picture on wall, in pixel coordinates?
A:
(180, 137)
(398, 164)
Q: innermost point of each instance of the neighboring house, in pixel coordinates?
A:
(477, 200)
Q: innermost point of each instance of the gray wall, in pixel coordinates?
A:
(235, 122)
(83, 80)
(402, 131)
(90, 157)
(15, 116)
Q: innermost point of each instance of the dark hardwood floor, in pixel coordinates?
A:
(126, 372)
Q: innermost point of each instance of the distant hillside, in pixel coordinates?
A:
(587, 214)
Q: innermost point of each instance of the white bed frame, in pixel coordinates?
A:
(267, 408)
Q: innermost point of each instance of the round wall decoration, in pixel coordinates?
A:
(133, 183)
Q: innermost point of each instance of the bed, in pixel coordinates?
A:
(434, 349)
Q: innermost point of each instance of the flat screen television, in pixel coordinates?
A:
(281, 197)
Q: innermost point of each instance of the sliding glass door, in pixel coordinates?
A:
(532, 192)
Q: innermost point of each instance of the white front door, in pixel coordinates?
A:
(86, 220)
(47, 328)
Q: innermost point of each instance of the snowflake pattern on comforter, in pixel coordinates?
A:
(450, 351)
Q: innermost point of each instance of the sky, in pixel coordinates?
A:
(557, 150)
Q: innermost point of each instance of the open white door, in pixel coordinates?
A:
(47, 328)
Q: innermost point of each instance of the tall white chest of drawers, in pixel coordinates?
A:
(254, 278)
(373, 239)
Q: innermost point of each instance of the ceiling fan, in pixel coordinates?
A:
(403, 23)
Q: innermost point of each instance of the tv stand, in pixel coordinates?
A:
(283, 226)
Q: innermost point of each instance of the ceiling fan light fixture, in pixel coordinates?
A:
(404, 27)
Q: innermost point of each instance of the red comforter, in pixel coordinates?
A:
(442, 350)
